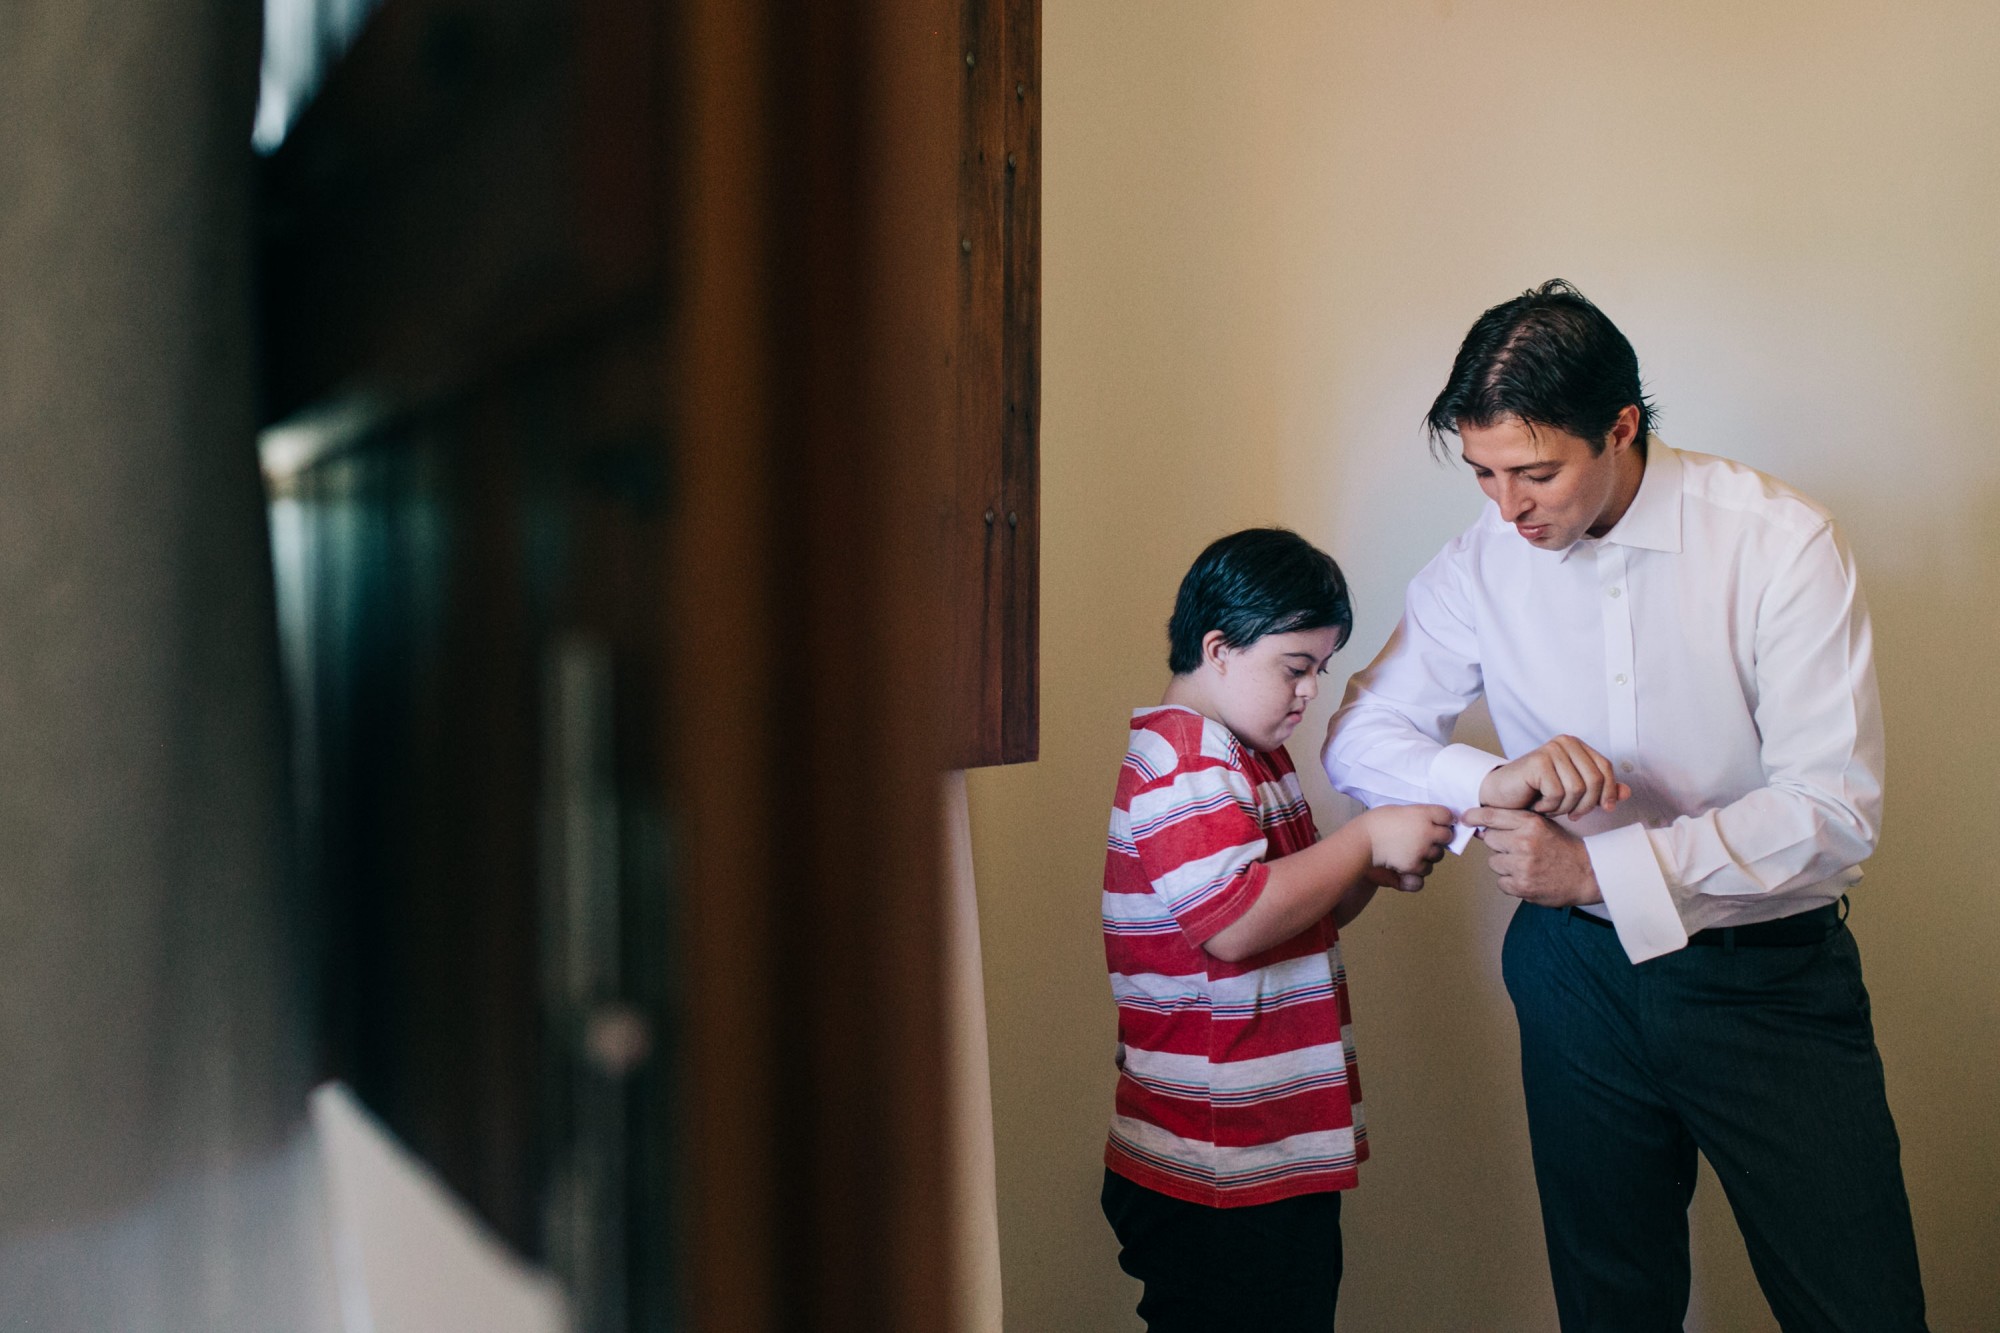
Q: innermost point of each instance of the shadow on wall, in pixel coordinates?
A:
(1925, 915)
(1427, 979)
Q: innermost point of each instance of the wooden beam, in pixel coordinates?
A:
(810, 396)
(993, 516)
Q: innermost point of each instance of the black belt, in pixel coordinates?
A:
(1805, 928)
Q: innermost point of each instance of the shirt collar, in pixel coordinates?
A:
(1653, 520)
(1151, 709)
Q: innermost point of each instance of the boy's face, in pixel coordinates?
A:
(1261, 690)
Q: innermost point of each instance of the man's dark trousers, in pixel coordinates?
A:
(1762, 1058)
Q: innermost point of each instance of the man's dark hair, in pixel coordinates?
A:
(1252, 583)
(1548, 357)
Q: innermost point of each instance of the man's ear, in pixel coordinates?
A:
(1625, 429)
(1215, 650)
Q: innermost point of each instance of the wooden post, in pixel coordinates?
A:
(815, 400)
(993, 512)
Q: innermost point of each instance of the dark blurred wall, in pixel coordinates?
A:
(153, 1056)
(462, 255)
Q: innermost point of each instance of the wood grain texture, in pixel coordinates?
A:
(1021, 380)
(993, 515)
(819, 251)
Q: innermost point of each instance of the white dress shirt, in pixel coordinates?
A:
(1714, 645)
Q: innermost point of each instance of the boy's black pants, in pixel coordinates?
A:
(1272, 1267)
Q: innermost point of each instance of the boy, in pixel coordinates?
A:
(1238, 1117)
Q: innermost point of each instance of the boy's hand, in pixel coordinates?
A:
(1563, 777)
(1409, 840)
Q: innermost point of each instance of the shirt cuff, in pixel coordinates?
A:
(1635, 892)
(1456, 774)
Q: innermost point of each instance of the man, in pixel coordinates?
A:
(1677, 660)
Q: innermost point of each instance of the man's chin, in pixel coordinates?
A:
(1546, 538)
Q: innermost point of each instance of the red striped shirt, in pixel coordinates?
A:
(1236, 1081)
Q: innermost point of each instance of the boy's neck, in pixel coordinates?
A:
(1187, 691)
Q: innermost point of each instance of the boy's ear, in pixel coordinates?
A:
(1214, 649)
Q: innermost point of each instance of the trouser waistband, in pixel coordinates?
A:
(1811, 927)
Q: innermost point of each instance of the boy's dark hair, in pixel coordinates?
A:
(1548, 357)
(1252, 583)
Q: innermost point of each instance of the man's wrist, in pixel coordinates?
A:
(1578, 888)
(1588, 890)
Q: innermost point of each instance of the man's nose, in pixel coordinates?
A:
(1513, 504)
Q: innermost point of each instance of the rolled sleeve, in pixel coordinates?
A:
(1635, 892)
(1200, 846)
(1202, 924)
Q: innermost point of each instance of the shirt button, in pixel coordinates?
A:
(1619, 678)
(1616, 592)
(1625, 767)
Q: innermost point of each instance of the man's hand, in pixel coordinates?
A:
(1535, 859)
(1563, 777)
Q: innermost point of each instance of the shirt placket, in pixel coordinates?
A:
(1621, 684)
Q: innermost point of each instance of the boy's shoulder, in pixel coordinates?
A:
(1167, 739)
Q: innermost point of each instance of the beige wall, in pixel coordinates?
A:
(1266, 228)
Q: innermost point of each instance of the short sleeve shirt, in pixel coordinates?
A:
(1237, 1081)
